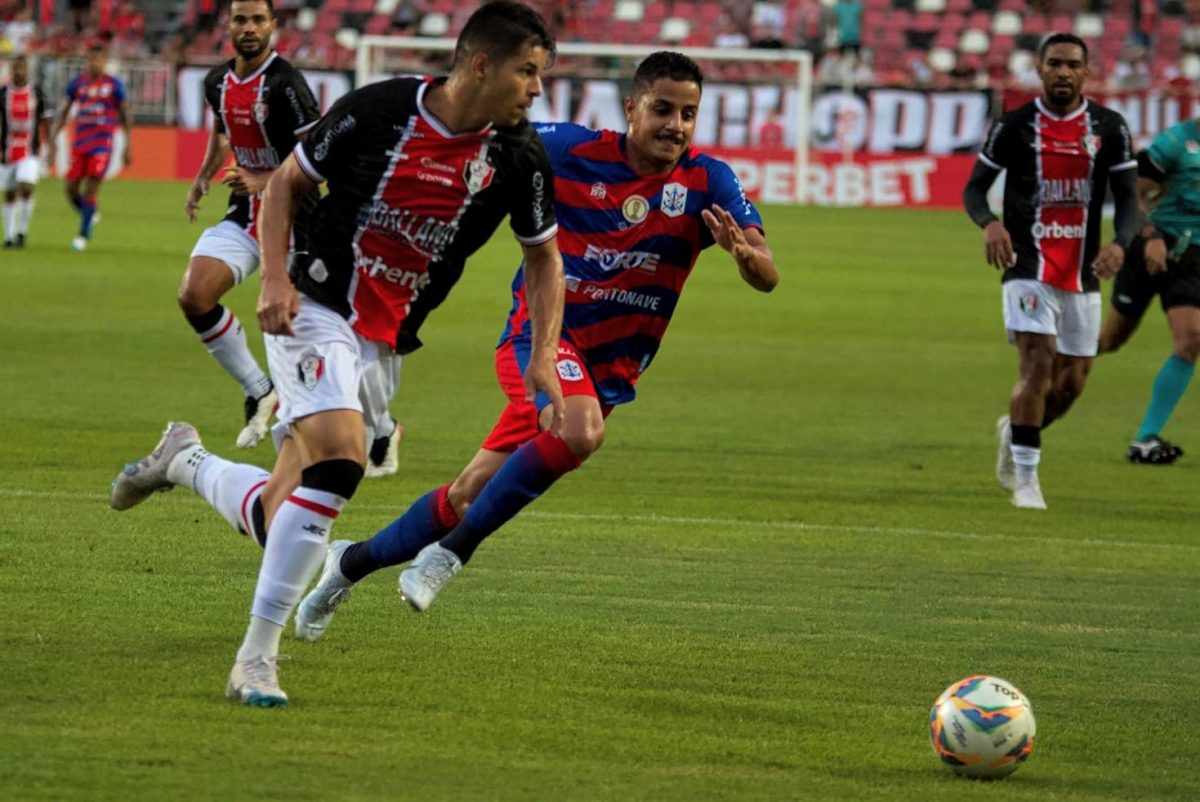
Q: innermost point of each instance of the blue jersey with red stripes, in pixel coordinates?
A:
(97, 112)
(628, 245)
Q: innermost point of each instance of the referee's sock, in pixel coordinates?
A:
(427, 519)
(528, 473)
(1169, 386)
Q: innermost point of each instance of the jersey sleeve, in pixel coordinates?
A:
(72, 88)
(559, 138)
(333, 141)
(725, 190)
(303, 111)
(119, 93)
(212, 96)
(1117, 145)
(1001, 141)
(1164, 152)
(532, 216)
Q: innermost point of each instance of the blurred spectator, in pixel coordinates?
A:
(1190, 39)
(1131, 72)
(406, 16)
(766, 36)
(962, 75)
(128, 23)
(921, 71)
(728, 35)
(771, 134)
(849, 26)
(809, 16)
(81, 14)
(20, 30)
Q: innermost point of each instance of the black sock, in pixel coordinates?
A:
(1030, 436)
(357, 562)
(462, 541)
(205, 321)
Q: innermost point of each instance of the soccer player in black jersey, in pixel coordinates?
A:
(420, 173)
(261, 105)
(1061, 152)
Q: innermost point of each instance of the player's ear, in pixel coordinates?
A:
(479, 64)
(630, 107)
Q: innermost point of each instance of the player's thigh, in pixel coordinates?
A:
(331, 434)
(204, 282)
(233, 248)
(1030, 307)
(26, 173)
(1133, 287)
(8, 178)
(1116, 330)
(1079, 323)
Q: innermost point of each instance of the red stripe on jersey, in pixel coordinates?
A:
(312, 506)
(623, 368)
(1066, 155)
(618, 328)
(19, 123)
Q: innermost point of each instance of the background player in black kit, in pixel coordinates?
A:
(420, 175)
(261, 105)
(24, 126)
(1061, 152)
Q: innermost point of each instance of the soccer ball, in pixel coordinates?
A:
(982, 727)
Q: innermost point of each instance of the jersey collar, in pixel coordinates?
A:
(261, 69)
(434, 122)
(1044, 109)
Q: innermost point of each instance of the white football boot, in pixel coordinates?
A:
(1006, 469)
(255, 682)
(316, 610)
(148, 475)
(1028, 495)
(258, 417)
(421, 581)
(79, 244)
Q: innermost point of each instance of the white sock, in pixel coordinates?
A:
(296, 542)
(10, 223)
(230, 488)
(262, 639)
(226, 341)
(1026, 459)
(24, 214)
(379, 383)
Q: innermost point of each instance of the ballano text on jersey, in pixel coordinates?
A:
(428, 235)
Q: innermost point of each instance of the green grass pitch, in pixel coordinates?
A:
(786, 549)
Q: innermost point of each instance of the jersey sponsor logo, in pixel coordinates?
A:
(433, 164)
(427, 235)
(434, 178)
(293, 99)
(1056, 230)
(674, 200)
(569, 370)
(256, 158)
(310, 368)
(610, 259)
(478, 174)
(342, 126)
(1065, 191)
(539, 200)
(635, 208)
(599, 191)
(376, 268)
(1192, 146)
(641, 300)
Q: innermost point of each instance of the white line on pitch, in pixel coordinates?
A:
(797, 526)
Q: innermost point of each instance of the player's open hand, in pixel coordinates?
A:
(997, 245)
(197, 191)
(1108, 261)
(728, 234)
(541, 376)
(245, 182)
(278, 305)
(1156, 256)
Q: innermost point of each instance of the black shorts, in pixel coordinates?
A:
(1134, 288)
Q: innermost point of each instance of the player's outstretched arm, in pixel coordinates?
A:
(215, 154)
(747, 247)
(278, 302)
(544, 287)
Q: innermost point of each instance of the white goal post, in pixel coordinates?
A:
(371, 50)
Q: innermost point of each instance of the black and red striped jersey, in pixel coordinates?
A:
(1057, 177)
(262, 115)
(405, 195)
(22, 107)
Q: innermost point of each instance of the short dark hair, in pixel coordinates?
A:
(500, 29)
(270, 4)
(666, 64)
(1062, 39)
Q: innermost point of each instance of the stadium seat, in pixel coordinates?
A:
(1006, 23)
(434, 24)
(974, 40)
(674, 29)
(935, 6)
(942, 59)
(1089, 26)
(628, 11)
(306, 19)
(346, 37)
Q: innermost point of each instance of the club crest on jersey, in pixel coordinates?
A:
(1192, 146)
(635, 208)
(478, 174)
(310, 368)
(674, 199)
(569, 370)
(1029, 304)
(599, 191)
(1091, 143)
(261, 110)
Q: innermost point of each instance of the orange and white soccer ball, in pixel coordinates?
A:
(982, 727)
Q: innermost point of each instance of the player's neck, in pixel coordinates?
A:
(646, 166)
(245, 66)
(455, 104)
(1063, 111)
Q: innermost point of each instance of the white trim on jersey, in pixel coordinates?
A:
(261, 69)
(1037, 241)
(1123, 166)
(989, 162)
(306, 165)
(437, 124)
(539, 238)
(1042, 108)
(304, 129)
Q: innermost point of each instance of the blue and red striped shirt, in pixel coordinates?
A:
(97, 112)
(628, 245)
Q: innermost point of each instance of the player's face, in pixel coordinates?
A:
(511, 85)
(96, 61)
(251, 26)
(662, 120)
(19, 70)
(1064, 70)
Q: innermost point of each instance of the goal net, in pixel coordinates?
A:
(753, 100)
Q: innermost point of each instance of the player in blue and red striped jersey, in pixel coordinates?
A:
(100, 105)
(634, 212)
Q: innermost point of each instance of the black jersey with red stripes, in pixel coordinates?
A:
(22, 108)
(262, 115)
(406, 195)
(1057, 177)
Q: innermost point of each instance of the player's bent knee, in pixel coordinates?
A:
(337, 476)
(584, 441)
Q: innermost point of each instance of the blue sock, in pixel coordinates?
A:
(427, 519)
(1169, 386)
(528, 473)
(87, 210)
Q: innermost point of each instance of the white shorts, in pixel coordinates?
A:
(320, 367)
(25, 171)
(1038, 308)
(229, 243)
